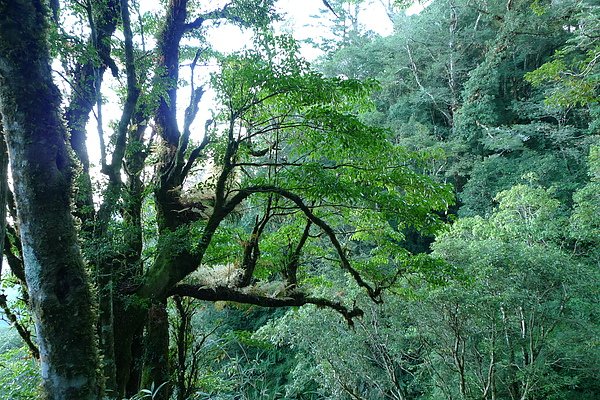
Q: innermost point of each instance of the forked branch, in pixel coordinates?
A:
(242, 194)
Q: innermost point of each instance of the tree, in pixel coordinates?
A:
(572, 74)
(515, 318)
(56, 278)
(456, 82)
(509, 330)
(292, 180)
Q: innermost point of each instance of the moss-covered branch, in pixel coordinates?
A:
(294, 300)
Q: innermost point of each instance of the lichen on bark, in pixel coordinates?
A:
(56, 278)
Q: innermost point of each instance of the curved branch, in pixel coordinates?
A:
(242, 194)
(223, 13)
(179, 167)
(222, 293)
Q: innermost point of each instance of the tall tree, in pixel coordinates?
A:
(293, 182)
(57, 282)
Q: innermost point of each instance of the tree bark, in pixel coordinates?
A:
(56, 278)
(155, 374)
(3, 191)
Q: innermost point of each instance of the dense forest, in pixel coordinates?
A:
(409, 216)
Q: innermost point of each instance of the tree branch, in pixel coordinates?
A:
(133, 92)
(195, 154)
(297, 164)
(15, 263)
(222, 293)
(223, 13)
(168, 62)
(242, 194)
(3, 191)
(88, 76)
(22, 330)
(291, 270)
(178, 165)
(251, 247)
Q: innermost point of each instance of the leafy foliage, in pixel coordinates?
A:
(331, 186)
(19, 373)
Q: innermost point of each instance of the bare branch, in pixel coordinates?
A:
(414, 70)
(178, 169)
(195, 154)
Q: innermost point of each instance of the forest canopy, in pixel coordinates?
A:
(410, 216)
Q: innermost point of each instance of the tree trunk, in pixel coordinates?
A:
(56, 278)
(3, 191)
(156, 358)
(128, 345)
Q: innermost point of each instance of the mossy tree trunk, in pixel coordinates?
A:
(3, 191)
(156, 372)
(56, 278)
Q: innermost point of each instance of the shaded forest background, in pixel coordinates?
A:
(496, 105)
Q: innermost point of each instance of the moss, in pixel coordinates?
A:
(57, 281)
